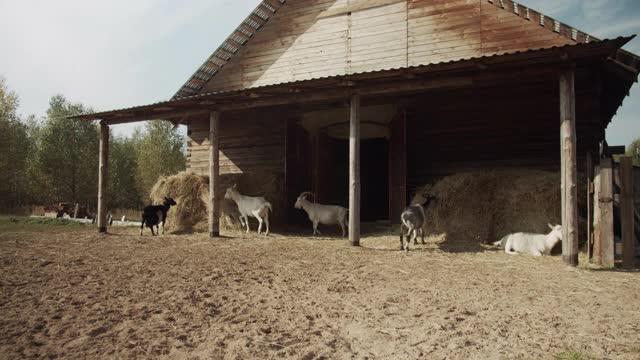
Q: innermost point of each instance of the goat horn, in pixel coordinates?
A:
(307, 193)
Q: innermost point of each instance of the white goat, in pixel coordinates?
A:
(322, 214)
(533, 244)
(259, 207)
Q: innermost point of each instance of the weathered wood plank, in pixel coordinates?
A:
(214, 175)
(589, 172)
(603, 247)
(627, 213)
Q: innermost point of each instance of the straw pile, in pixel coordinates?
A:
(479, 207)
(191, 192)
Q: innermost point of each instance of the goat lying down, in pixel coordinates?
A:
(258, 207)
(413, 218)
(323, 214)
(533, 244)
(153, 215)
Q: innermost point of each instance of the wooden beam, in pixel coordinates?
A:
(103, 174)
(627, 213)
(589, 206)
(354, 171)
(338, 93)
(569, 172)
(150, 115)
(603, 246)
(214, 174)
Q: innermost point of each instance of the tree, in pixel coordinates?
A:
(160, 151)
(68, 153)
(633, 150)
(122, 189)
(14, 147)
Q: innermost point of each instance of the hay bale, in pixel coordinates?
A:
(479, 207)
(191, 192)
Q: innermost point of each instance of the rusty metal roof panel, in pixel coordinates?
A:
(614, 44)
(227, 49)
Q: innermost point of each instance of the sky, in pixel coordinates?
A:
(122, 53)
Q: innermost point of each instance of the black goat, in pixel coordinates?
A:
(152, 215)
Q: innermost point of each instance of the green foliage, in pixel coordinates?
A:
(27, 224)
(633, 150)
(160, 151)
(68, 154)
(123, 163)
(14, 147)
(56, 159)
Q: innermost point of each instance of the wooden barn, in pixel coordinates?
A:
(359, 100)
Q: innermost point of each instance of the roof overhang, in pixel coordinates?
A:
(438, 76)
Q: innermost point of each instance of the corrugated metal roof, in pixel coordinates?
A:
(232, 44)
(614, 43)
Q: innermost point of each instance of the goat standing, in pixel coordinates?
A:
(413, 218)
(322, 214)
(256, 206)
(152, 215)
(533, 244)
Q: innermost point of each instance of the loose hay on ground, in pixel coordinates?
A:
(478, 207)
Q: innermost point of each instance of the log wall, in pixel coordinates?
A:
(509, 126)
(249, 142)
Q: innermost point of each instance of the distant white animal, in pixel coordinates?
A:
(322, 214)
(259, 207)
(533, 244)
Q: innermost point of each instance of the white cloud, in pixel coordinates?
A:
(617, 28)
(105, 53)
(603, 11)
(552, 7)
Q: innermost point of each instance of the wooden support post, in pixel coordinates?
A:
(315, 146)
(354, 171)
(603, 246)
(589, 206)
(103, 174)
(597, 216)
(569, 172)
(627, 213)
(214, 174)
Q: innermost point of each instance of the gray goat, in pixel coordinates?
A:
(413, 218)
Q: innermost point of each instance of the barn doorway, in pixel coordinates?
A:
(374, 177)
(318, 160)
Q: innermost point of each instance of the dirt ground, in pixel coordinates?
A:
(78, 294)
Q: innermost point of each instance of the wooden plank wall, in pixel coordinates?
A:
(249, 142)
(308, 39)
(510, 126)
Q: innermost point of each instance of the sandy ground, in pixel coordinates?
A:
(79, 294)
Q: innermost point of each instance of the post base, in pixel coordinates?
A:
(354, 243)
(102, 229)
(571, 260)
(214, 234)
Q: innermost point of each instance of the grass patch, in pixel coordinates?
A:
(12, 223)
(573, 355)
